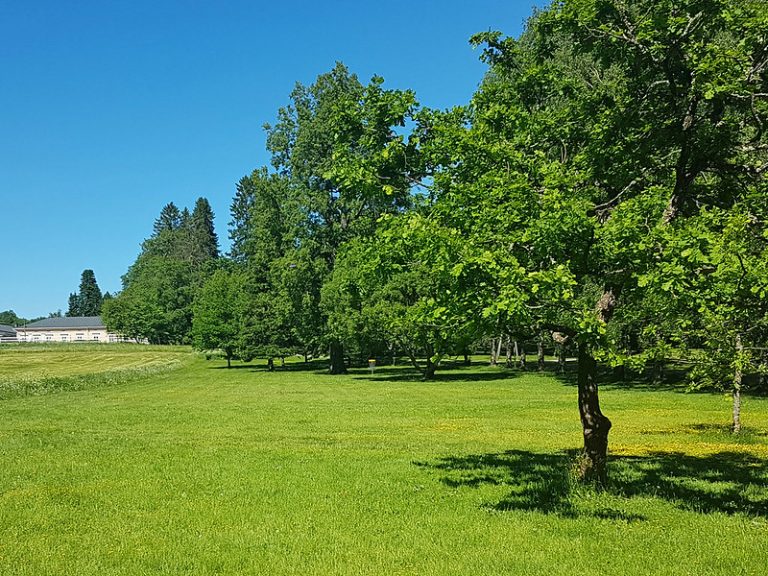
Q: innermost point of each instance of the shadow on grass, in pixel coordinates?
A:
(673, 378)
(726, 482)
(261, 366)
(451, 373)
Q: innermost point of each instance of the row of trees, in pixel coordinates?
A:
(604, 189)
(155, 303)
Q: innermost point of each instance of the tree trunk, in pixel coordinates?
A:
(595, 426)
(494, 355)
(467, 359)
(229, 360)
(737, 376)
(271, 364)
(509, 351)
(540, 353)
(561, 358)
(429, 371)
(337, 365)
(523, 358)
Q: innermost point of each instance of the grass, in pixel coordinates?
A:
(203, 470)
(33, 369)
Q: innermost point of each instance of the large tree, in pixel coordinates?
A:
(87, 301)
(605, 121)
(339, 148)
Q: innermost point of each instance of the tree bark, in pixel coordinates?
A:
(271, 364)
(494, 355)
(337, 365)
(523, 358)
(737, 377)
(429, 371)
(540, 353)
(431, 367)
(595, 426)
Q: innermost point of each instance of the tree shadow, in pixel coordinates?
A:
(453, 373)
(251, 367)
(261, 366)
(609, 379)
(726, 482)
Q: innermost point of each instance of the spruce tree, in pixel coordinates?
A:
(169, 219)
(74, 305)
(204, 242)
(89, 298)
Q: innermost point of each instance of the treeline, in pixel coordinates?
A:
(155, 303)
(604, 189)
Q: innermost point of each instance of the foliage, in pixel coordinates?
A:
(88, 300)
(155, 303)
(220, 311)
(9, 318)
(403, 287)
(159, 287)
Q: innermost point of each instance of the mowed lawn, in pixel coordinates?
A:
(61, 360)
(203, 470)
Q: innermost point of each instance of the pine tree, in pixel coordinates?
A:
(204, 242)
(74, 305)
(169, 219)
(89, 299)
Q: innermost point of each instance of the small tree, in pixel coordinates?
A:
(219, 313)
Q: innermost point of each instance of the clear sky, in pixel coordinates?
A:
(111, 109)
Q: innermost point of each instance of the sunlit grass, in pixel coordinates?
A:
(203, 470)
(32, 369)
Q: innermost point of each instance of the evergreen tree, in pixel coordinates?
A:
(87, 301)
(158, 289)
(74, 305)
(89, 298)
(169, 219)
(204, 242)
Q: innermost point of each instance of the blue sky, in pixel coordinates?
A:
(109, 110)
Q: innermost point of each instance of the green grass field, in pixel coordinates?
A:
(202, 470)
(29, 369)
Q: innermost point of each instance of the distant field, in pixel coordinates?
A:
(37, 368)
(203, 470)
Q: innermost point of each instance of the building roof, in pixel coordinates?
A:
(5, 329)
(68, 322)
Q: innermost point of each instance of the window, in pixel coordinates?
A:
(65, 337)
(79, 336)
(96, 337)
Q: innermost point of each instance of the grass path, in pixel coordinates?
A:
(203, 470)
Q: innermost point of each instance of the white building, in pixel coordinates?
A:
(68, 329)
